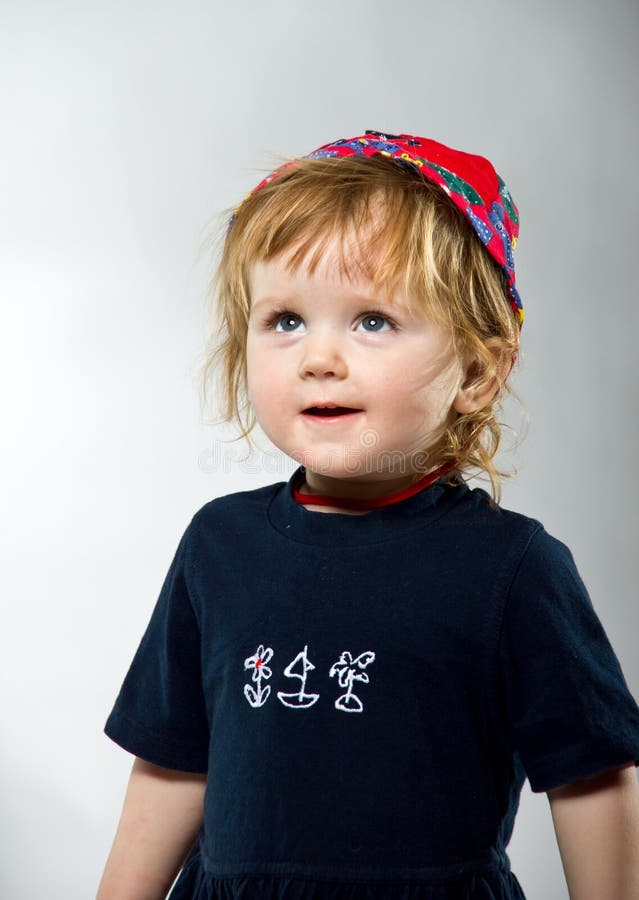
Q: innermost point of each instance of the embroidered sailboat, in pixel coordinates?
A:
(299, 699)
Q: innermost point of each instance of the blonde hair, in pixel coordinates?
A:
(422, 243)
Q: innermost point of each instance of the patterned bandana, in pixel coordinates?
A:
(470, 181)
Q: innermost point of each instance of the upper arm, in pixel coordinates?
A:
(162, 813)
(157, 794)
(596, 822)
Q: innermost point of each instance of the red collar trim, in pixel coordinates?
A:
(360, 503)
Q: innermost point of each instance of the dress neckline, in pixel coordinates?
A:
(358, 503)
(385, 523)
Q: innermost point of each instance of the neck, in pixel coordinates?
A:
(308, 495)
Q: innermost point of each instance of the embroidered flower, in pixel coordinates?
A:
(258, 663)
(259, 695)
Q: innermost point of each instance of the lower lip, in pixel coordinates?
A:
(331, 420)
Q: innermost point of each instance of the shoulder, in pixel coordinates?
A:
(519, 544)
(507, 531)
(237, 500)
(546, 585)
(235, 512)
(539, 538)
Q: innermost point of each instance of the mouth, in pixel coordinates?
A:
(328, 415)
(329, 410)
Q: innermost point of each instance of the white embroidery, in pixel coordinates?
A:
(257, 662)
(346, 671)
(299, 700)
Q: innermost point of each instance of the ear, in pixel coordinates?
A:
(478, 388)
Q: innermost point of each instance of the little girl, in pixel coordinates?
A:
(348, 676)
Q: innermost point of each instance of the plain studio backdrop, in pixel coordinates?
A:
(126, 129)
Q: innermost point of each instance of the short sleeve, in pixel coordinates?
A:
(160, 712)
(570, 712)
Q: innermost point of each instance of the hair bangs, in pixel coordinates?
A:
(385, 232)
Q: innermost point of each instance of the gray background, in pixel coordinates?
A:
(126, 128)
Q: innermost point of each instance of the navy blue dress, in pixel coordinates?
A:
(369, 693)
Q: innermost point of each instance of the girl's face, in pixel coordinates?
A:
(325, 339)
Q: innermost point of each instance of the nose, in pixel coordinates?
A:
(322, 357)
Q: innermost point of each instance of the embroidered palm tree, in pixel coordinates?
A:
(349, 670)
(259, 695)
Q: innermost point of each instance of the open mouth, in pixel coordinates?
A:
(328, 411)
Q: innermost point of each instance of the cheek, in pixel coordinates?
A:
(256, 383)
(268, 389)
(259, 369)
(419, 389)
(260, 357)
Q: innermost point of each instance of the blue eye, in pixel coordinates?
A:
(278, 317)
(377, 319)
(285, 316)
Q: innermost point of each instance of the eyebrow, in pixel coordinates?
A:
(356, 299)
(267, 300)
